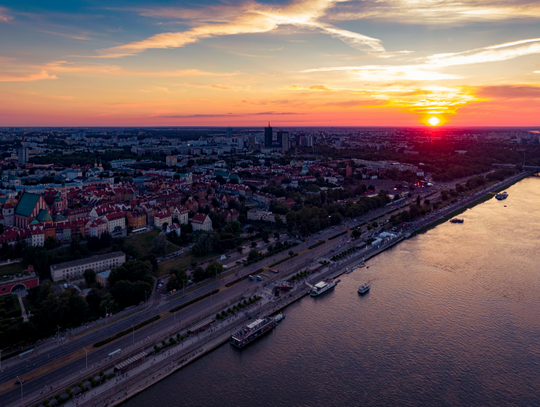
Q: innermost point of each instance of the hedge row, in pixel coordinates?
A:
(126, 332)
(338, 235)
(316, 244)
(194, 300)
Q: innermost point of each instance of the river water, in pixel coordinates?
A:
(452, 318)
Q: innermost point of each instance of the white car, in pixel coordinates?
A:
(223, 257)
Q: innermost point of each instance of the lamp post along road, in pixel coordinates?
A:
(21, 383)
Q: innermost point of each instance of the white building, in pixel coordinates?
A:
(75, 269)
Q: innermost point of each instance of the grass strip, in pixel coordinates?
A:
(193, 301)
(126, 332)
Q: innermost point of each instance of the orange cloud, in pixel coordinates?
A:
(7, 77)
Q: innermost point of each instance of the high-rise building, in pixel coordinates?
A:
(23, 152)
(280, 135)
(309, 141)
(268, 136)
(229, 132)
(285, 142)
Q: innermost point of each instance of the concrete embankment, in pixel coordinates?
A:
(175, 358)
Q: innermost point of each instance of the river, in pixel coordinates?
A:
(452, 318)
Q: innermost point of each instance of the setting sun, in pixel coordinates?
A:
(434, 121)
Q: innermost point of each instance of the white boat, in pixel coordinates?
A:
(279, 317)
(322, 287)
(364, 288)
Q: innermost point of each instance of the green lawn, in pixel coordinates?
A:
(143, 242)
(182, 262)
(11, 269)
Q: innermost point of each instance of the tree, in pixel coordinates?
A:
(38, 257)
(198, 274)
(105, 240)
(214, 269)
(159, 247)
(291, 253)
(253, 255)
(418, 200)
(355, 234)
(93, 298)
(177, 279)
(50, 243)
(336, 218)
(89, 276)
(93, 243)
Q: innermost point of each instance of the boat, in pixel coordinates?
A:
(501, 196)
(364, 288)
(323, 286)
(253, 331)
(456, 220)
(279, 317)
(251, 278)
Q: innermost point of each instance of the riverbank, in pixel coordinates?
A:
(484, 198)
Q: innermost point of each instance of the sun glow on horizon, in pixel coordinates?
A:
(434, 121)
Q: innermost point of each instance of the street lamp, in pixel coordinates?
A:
(106, 313)
(22, 399)
(85, 351)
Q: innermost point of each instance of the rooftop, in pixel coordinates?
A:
(82, 262)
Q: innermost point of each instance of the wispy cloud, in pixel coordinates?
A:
(322, 88)
(97, 69)
(389, 73)
(195, 116)
(435, 11)
(10, 77)
(510, 91)
(493, 53)
(4, 15)
(249, 18)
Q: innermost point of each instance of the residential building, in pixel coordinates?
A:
(201, 221)
(258, 215)
(161, 218)
(103, 278)
(171, 160)
(116, 222)
(136, 218)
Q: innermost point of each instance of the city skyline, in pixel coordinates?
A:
(301, 63)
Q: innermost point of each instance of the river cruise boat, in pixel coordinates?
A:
(501, 196)
(322, 287)
(252, 331)
(364, 288)
(279, 317)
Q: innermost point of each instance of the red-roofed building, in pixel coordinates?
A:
(201, 221)
(162, 217)
(116, 222)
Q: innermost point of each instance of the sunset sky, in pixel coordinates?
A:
(294, 63)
